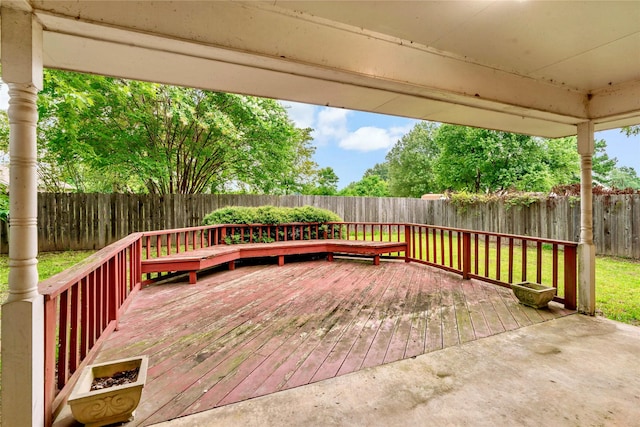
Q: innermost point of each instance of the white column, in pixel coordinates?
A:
(587, 249)
(23, 313)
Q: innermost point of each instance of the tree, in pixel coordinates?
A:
(107, 134)
(369, 185)
(379, 169)
(562, 159)
(324, 184)
(625, 177)
(411, 162)
(602, 164)
(481, 160)
(631, 130)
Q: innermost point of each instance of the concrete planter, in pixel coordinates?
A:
(109, 405)
(533, 294)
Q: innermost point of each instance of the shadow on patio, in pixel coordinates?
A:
(256, 330)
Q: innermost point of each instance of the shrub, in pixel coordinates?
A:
(271, 216)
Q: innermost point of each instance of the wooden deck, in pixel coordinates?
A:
(260, 329)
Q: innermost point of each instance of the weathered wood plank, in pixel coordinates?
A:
(408, 310)
(493, 323)
(236, 346)
(239, 361)
(341, 315)
(416, 342)
(389, 316)
(248, 332)
(466, 332)
(435, 320)
(330, 352)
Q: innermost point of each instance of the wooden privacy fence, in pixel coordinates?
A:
(83, 304)
(92, 221)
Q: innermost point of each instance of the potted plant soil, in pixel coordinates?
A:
(108, 393)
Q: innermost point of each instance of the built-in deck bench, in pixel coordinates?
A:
(212, 256)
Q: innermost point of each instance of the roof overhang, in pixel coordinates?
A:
(498, 65)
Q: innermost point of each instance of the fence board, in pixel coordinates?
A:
(92, 221)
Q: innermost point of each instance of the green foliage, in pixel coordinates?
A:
(522, 199)
(369, 186)
(106, 134)
(631, 130)
(480, 160)
(463, 199)
(435, 159)
(4, 203)
(272, 216)
(603, 165)
(562, 160)
(624, 177)
(325, 183)
(379, 169)
(411, 162)
(4, 132)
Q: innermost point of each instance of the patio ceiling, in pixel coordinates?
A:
(523, 66)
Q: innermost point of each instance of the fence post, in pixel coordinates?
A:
(407, 239)
(466, 254)
(570, 279)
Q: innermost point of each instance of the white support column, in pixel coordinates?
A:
(587, 249)
(23, 313)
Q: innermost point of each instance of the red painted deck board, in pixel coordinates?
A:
(260, 329)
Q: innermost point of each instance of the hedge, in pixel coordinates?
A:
(272, 216)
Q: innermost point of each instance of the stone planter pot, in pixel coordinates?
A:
(108, 405)
(533, 294)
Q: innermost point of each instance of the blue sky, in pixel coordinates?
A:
(351, 141)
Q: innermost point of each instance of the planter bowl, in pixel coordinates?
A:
(108, 405)
(533, 294)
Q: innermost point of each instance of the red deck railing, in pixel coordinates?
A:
(82, 307)
(496, 258)
(83, 304)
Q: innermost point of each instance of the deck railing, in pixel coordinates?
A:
(83, 304)
(496, 258)
(82, 307)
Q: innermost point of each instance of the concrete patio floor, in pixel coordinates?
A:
(572, 371)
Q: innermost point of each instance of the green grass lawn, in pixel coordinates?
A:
(617, 279)
(618, 289)
(49, 263)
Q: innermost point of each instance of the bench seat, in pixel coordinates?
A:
(199, 259)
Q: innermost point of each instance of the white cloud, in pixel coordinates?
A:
(331, 128)
(331, 124)
(303, 115)
(328, 124)
(370, 138)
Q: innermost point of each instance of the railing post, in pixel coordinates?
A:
(407, 239)
(570, 279)
(138, 262)
(466, 254)
(113, 289)
(50, 323)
